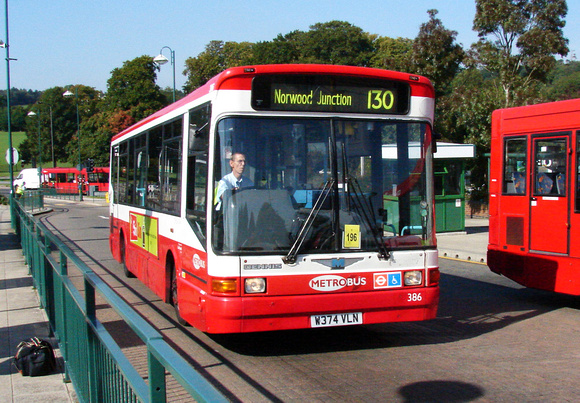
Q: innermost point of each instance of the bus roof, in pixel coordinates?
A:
(71, 169)
(240, 78)
(537, 118)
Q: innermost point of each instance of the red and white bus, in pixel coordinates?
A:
(534, 206)
(333, 230)
(65, 180)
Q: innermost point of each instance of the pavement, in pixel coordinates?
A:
(469, 245)
(22, 318)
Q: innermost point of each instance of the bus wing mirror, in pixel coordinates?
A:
(197, 138)
(436, 136)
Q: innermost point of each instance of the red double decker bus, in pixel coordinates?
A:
(283, 197)
(534, 206)
(66, 180)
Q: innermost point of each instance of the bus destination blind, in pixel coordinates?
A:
(329, 94)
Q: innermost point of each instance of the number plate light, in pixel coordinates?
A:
(255, 285)
(414, 277)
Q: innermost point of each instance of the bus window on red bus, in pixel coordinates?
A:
(550, 167)
(514, 166)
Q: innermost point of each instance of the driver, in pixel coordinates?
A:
(234, 180)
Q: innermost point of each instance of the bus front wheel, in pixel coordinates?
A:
(174, 296)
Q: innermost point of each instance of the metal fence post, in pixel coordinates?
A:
(62, 312)
(157, 384)
(90, 310)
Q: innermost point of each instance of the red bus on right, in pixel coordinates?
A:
(534, 203)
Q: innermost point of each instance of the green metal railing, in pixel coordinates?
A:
(31, 200)
(98, 368)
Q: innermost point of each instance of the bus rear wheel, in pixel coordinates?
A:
(174, 296)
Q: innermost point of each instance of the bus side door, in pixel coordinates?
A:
(549, 204)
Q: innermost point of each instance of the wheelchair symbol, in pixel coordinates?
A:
(394, 279)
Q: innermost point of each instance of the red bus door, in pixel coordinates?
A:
(549, 201)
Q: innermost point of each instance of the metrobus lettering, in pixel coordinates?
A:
(333, 283)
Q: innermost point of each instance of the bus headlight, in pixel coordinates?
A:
(255, 285)
(414, 277)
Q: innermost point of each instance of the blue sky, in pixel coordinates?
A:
(61, 42)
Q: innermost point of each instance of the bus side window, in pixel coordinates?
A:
(514, 166)
(197, 169)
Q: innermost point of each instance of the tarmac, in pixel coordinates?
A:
(21, 316)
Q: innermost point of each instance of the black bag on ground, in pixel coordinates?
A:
(35, 357)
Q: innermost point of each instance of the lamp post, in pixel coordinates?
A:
(6, 46)
(161, 60)
(39, 167)
(69, 94)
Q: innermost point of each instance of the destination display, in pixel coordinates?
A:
(329, 94)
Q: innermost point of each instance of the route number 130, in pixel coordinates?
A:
(381, 99)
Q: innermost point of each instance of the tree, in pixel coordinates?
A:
(238, 54)
(392, 54)
(518, 41)
(435, 53)
(63, 139)
(203, 67)
(283, 49)
(563, 82)
(132, 89)
(337, 42)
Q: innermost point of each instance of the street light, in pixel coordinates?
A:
(39, 167)
(161, 60)
(69, 94)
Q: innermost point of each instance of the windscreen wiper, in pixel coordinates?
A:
(362, 206)
(290, 258)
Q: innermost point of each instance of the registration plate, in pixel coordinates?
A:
(336, 319)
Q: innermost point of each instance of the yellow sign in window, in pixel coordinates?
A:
(351, 238)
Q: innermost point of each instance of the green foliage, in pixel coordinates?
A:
(19, 97)
(563, 82)
(436, 54)
(132, 88)
(392, 54)
(518, 41)
(206, 65)
(336, 42)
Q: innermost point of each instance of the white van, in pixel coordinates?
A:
(27, 177)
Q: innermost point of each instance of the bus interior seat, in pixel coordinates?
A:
(543, 183)
(519, 183)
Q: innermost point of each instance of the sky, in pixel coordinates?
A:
(62, 42)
